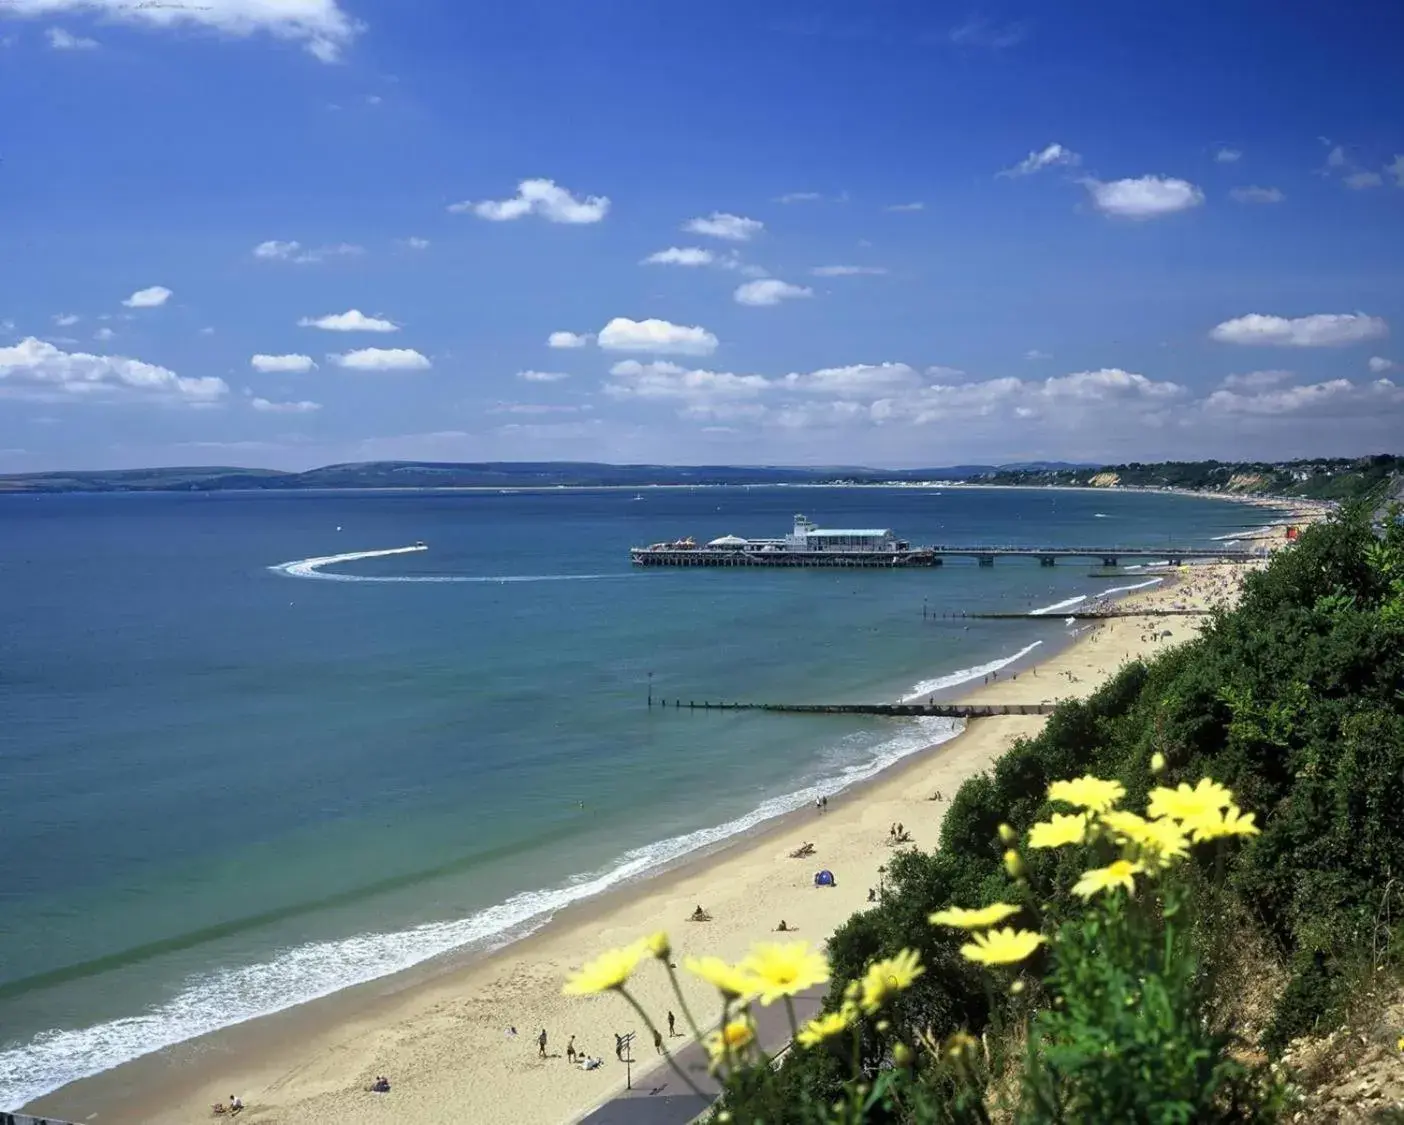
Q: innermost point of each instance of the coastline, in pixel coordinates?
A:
(438, 1028)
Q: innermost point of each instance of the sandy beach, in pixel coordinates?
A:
(442, 1036)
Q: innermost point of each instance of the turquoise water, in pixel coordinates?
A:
(232, 786)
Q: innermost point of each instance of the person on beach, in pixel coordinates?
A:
(570, 1050)
(619, 1046)
(782, 928)
(541, 1044)
(657, 1040)
(672, 1021)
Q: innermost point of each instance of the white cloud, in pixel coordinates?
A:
(980, 32)
(207, 331)
(539, 197)
(37, 370)
(1256, 380)
(152, 297)
(104, 333)
(568, 339)
(538, 408)
(1336, 158)
(1034, 353)
(769, 291)
(1108, 383)
(321, 26)
(680, 256)
(660, 337)
(857, 380)
(265, 406)
(353, 320)
(663, 380)
(542, 376)
(799, 197)
(1256, 194)
(417, 243)
(1228, 156)
(1145, 197)
(917, 206)
(382, 359)
(281, 363)
(1320, 330)
(1379, 365)
(846, 271)
(719, 224)
(1046, 157)
(1396, 169)
(275, 250)
(1333, 398)
(61, 40)
(1362, 180)
(63, 320)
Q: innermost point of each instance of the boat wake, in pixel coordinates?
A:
(312, 568)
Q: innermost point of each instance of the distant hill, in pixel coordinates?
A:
(486, 474)
(1319, 479)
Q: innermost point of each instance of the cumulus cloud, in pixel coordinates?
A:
(1379, 365)
(769, 291)
(1362, 180)
(1046, 157)
(321, 27)
(286, 364)
(854, 381)
(719, 224)
(265, 406)
(660, 337)
(1256, 380)
(568, 339)
(846, 271)
(37, 370)
(152, 297)
(1228, 156)
(104, 333)
(1332, 398)
(276, 250)
(63, 320)
(382, 359)
(915, 206)
(61, 40)
(353, 320)
(1396, 169)
(1320, 330)
(680, 256)
(415, 243)
(542, 376)
(664, 380)
(1144, 197)
(1256, 195)
(539, 197)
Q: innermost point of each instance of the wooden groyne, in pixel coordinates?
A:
(899, 710)
(25, 1119)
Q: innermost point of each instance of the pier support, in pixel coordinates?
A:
(985, 560)
(1047, 560)
(1110, 560)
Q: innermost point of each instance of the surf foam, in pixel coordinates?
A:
(965, 675)
(1059, 605)
(211, 1001)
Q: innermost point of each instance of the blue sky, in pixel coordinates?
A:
(294, 232)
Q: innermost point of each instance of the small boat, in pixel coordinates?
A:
(638, 497)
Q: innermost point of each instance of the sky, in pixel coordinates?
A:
(288, 233)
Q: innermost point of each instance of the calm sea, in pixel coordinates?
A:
(230, 788)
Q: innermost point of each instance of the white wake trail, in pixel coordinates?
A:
(312, 568)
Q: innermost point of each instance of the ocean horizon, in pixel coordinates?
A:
(259, 752)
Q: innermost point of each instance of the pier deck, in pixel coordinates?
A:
(983, 554)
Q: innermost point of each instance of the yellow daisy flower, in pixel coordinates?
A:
(1091, 793)
(784, 969)
(727, 979)
(1001, 947)
(1118, 874)
(1233, 821)
(1158, 840)
(729, 1039)
(822, 1027)
(658, 945)
(1062, 829)
(1183, 803)
(608, 970)
(884, 979)
(964, 919)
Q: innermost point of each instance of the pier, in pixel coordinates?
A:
(895, 710)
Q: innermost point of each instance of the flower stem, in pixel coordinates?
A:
(667, 1054)
(682, 1002)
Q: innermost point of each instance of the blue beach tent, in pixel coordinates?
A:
(825, 878)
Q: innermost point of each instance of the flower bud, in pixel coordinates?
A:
(658, 945)
(1017, 988)
(883, 1025)
(1157, 762)
(903, 1055)
(1007, 835)
(1013, 864)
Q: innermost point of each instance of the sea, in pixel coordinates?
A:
(236, 778)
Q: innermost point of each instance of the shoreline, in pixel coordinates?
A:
(254, 1057)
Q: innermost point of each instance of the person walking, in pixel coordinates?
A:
(541, 1044)
(657, 1040)
(672, 1020)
